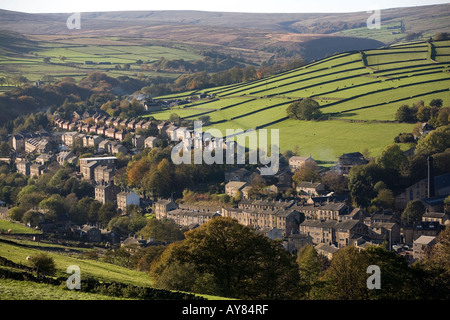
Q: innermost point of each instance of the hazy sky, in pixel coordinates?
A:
(63, 6)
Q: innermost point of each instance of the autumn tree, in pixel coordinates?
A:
(307, 172)
(237, 261)
(306, 109)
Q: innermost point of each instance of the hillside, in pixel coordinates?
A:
(99, 280)
(358, 91)
(250, 35)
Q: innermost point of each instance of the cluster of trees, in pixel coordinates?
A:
(305, 109)
(434, 113)
(14, 80)
(156, 176)
(373, 185)
(227, 259)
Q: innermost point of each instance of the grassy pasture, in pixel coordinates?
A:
(78, 51)
(362, 101)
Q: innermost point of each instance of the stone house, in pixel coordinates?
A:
(296, 162)
(190, 218)
(36, 169)
(285, 220)
(125, 199)
(163, 206)
(422, 246)
(106, 193)
(233, 188)
(310, 189)
(295, 241)
(333, 232)
(151, 142)
(419, 190)
(349, 160)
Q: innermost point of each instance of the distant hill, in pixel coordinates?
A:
(258, 32)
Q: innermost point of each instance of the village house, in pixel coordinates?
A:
(420, 190)
(103, 174)
(36, 170)
(309, 189)
(116, 147)
(101, 130)
(237, 174)
(111, 133)
(233, 188)
(23, 167)
(349, 160)
(120, 135)
(126, 198)
(295, 241)
(297, 162)
(162, 206)
(333, 232)
(70, 138)
(171, 132)
(190, 218)
(285, 220)
(87, 170)
(45, 158)
(110, 121)
(326, 250)
(90, 233)
(92, 141)
(422, 246)
(325, 211)
(106, 193)
(138, 125)
(162, 128)
(440, 217)
(138, 141)
(147, 125)
(131, 125)
(265, 204)
(104, 146)
(425, 228)
(151, 142)
(66, 157)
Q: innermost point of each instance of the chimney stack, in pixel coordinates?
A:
(431, 187)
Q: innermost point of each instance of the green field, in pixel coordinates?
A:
(105, 56)
(360, 94)
(65, 257)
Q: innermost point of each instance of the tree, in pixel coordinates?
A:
(346, 277)
(436, 103)
(385, 199)
(413, 212)
(311, 266)
(436, 141)
(306, 109)
(335, 181)
(106, 212)
(239, 262)
(44, 263)
(404, 114)
(392, 157)
(424, 113)
(308, 172)
(161, 230)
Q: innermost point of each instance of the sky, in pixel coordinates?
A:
(273, 6)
